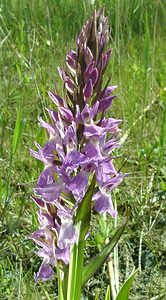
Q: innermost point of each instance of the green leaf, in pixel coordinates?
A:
(163, 185)
(125, 289)
(84, 210)
(96, 262)
(107, 297)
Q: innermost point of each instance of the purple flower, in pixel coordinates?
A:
(69, 85)
(63, 254)
(108, 91)
(103, 203)
(88, 90)
(71, 62)
(81, 139)
(73, 160)
(49, 192)
(93, 131)
(78, 186)
(56, 99)
(45, 272)
(88, 56)
(105, 103)
(67, 235)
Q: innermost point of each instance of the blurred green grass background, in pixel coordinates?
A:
(35, 37)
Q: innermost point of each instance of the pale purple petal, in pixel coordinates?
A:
(111, 125)
(69, 84)
(45, 272)
(50, 128)
(107, 92)
(73, 54)
(49, 149)
(71, 63)
(66, 113)
(62, 74)
(78, 186)
(38, 155)
(38, 237)
(73, 160)
(94, 131)
(92, 150)
(112, 183)
(56, 99)
(88, 113)
(88, 56)
(68, 235)
(53, 115)
(88, 70)
(110, 145)
(49, 192)
(40, 203)
(63, 254)
(94, 110)
(103, 203)
(47, 176)
(94, 76)
(88, 90)
(106, 57)
(46, 221)
(105, 103)
(70, 138)
(107, 167)
(78, 118)
(85, 114)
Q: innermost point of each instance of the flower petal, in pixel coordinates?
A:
(88, 90)
(63, 254)
(45, 272)
(68, 235)
(103, 203)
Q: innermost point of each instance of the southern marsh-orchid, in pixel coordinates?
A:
(79, 171)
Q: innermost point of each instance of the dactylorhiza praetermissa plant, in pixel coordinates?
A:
(80, 145)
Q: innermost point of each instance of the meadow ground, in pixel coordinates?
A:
(35, 36)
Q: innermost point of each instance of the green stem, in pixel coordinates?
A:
(75, 270)
(71, 277)
(79, 266)
(60, 290)
(82, 222)
(65, 282)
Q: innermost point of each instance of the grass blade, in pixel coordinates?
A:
(18, 128)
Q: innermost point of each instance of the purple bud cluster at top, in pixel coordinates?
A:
(81, 140)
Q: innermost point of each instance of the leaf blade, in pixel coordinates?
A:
(96, 262)
(107, 296)
(84, 210)
(125, 289)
